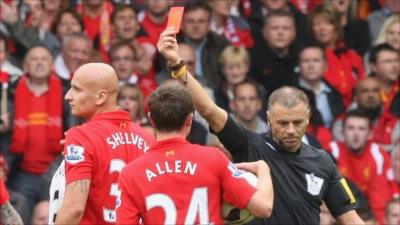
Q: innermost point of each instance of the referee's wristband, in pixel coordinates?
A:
(177, 66)
(182, 71)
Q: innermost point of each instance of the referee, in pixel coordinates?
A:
(302, 175)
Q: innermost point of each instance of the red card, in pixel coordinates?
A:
(175, 17)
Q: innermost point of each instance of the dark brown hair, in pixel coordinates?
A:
(329, 14)
(58, 17)
(170, 106)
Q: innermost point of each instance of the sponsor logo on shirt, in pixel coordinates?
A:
(314, 184)
(74, 154)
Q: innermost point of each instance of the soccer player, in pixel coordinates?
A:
(8, 215)
(303, 176)
(95, 152)
(177, 182)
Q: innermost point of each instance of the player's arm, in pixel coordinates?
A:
(8, 215)
(349, 218)
(215, 116)
(74, 203)
(262, 201)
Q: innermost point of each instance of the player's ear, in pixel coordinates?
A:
(267, 118)
(189, 120)
(101, 97)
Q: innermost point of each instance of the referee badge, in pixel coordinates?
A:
(314, 184)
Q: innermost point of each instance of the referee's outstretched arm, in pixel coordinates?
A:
(215, 116)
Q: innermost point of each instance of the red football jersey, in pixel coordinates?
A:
(371, 171)
(180, 183)
(3, 193)
(98, 150)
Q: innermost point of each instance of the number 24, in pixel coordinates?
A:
(198, 206)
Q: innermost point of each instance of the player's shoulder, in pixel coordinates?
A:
(207, 154)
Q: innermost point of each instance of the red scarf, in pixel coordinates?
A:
(21, 123)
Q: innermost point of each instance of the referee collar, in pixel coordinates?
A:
(276, 147)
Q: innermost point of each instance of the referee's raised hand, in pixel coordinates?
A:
(168, 46)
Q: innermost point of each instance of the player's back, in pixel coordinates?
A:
(179, 183)
(101, 148)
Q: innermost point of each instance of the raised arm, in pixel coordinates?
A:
(215, 116)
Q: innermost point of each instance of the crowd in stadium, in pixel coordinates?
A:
(344, 54)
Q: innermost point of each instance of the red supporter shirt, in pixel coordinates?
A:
(152, 29)
(180, 183)
(343, 72)
(371, 171)
(3, 193)
(98, 150)
(37, 156)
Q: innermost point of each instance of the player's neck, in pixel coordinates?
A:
(161, 136)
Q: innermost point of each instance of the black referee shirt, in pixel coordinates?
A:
(301, 180)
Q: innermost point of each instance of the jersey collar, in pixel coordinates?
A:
(168, 143)
(117, 115)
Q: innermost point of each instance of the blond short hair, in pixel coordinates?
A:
(235, 55)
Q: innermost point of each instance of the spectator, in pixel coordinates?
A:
(260, 9)
(344, 64)
(316, 129)
(97, 19)
(127, 28)
(329, 102)
(235, 64)
(41, 213)
(207, 44)
(377, 18)
(392, 212)
(50, 9)
(390, 32)
(273, 60)
(307, 5)
(364, 162)
(153, 198)
(288, 156)
(25, 30)
(355, 31)
(5, 65)
(8, 215)
(385, 127)
(246, 104)
(385, 66)
(153, 18)
(40, 117)
(76, 51)
(131, 99)
(233, 28)
(124, 59)
(66, 22)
